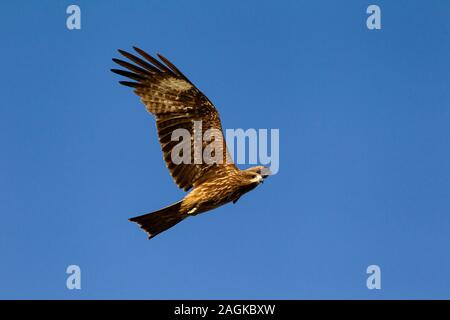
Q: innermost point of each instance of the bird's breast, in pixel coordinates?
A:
(211, 195)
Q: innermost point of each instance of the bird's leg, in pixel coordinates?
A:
(192, 210)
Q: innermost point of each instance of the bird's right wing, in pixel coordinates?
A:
(177, 103)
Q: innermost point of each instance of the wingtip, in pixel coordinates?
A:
(124, 53)
(130, 84)
(143, 53)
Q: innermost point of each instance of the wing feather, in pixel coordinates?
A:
(176, 103)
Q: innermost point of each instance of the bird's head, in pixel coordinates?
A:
(257, 174)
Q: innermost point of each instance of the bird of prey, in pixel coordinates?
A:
(177, 103)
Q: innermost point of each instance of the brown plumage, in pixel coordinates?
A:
(176, 103)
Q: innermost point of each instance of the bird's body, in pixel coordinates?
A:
(226, 187)
(177, 105)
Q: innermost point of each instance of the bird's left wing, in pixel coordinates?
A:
(176, 103)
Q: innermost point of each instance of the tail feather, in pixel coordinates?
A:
(156, 222)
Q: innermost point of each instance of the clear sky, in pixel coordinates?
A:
(364, 150)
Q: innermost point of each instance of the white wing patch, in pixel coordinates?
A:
(176, 84)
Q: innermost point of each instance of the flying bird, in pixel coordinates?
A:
(177, 103)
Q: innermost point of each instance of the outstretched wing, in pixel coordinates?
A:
(176, 103)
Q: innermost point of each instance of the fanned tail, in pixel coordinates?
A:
(156, 222)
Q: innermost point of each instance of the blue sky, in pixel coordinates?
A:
(364, 154)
